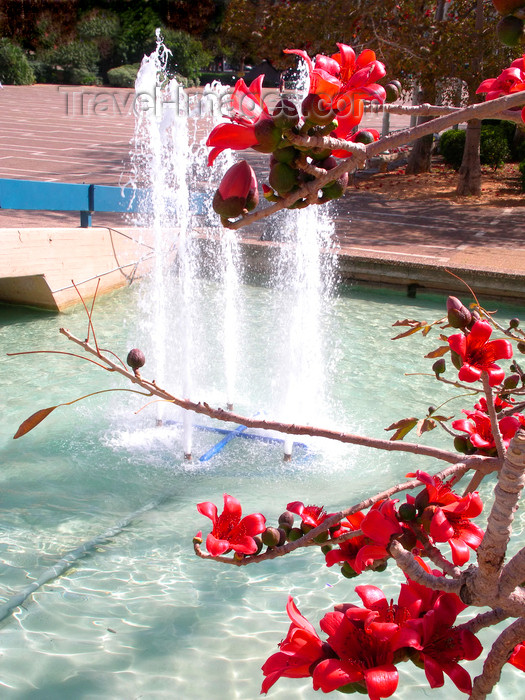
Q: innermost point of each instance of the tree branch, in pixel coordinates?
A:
(496, 659)
(484, 463)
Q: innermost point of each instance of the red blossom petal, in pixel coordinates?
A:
(208, 509)
(329, 675)
(381, 681)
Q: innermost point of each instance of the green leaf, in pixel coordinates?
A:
(33, 421)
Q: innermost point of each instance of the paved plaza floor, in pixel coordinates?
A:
(81, 134)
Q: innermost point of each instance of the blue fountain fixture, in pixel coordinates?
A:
(222, 443)
(239, 432)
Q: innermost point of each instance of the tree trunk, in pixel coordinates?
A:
(419, 160)
(470, 170)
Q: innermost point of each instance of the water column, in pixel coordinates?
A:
(170, 162)
(161, 163)
(305, 278)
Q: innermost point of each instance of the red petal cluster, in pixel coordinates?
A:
(510, 80)
(363, 645)
(478, 354)
(230, 530)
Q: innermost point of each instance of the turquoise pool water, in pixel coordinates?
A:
(140, 616)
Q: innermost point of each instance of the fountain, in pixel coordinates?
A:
(168, 161)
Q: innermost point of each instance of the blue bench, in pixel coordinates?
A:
(62, 196)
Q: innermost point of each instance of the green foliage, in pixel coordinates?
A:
(14, 66)
(188, 54)
(123, 76)
(137, 36)
(224, 78)
(494, 145)
(77, 54)
(99, 26)
(451, 145)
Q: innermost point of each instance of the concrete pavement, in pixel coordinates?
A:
(79, 134)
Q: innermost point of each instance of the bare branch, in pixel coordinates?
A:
(496, 659)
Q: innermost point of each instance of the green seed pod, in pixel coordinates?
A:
(282, 178)
(229, 208)
(271, 537)
(365, 137)
(510, 30)
(456, 360)
(320, 539)
(512, 381)
(461, 444)
(295, 534)
(317, 110)
(392, 93)
(407, 512)
(347, 571)
(285, 114)
(285, 155)
(268, 136)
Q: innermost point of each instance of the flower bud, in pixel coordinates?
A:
(347, 571)
(439, 366)
(295, 534)
(521, 347)
(135, 359)
(514, 322)
(237, 192)
(392, 92)
(512, 381)
(286, 518)
(407, 512)
(458, 314)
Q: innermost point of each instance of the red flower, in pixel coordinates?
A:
(379, 526)
(348, 550)
(301, 648)
(365, 653)
(510, 80)
(343, 81)
(452, 524)
(229, 531)
(477, 426)
(478, 354)
(518, 656)
(450, 516)
(419, 599)
(248, 109)
(310, 515)
(324, 80)
(440, 646)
